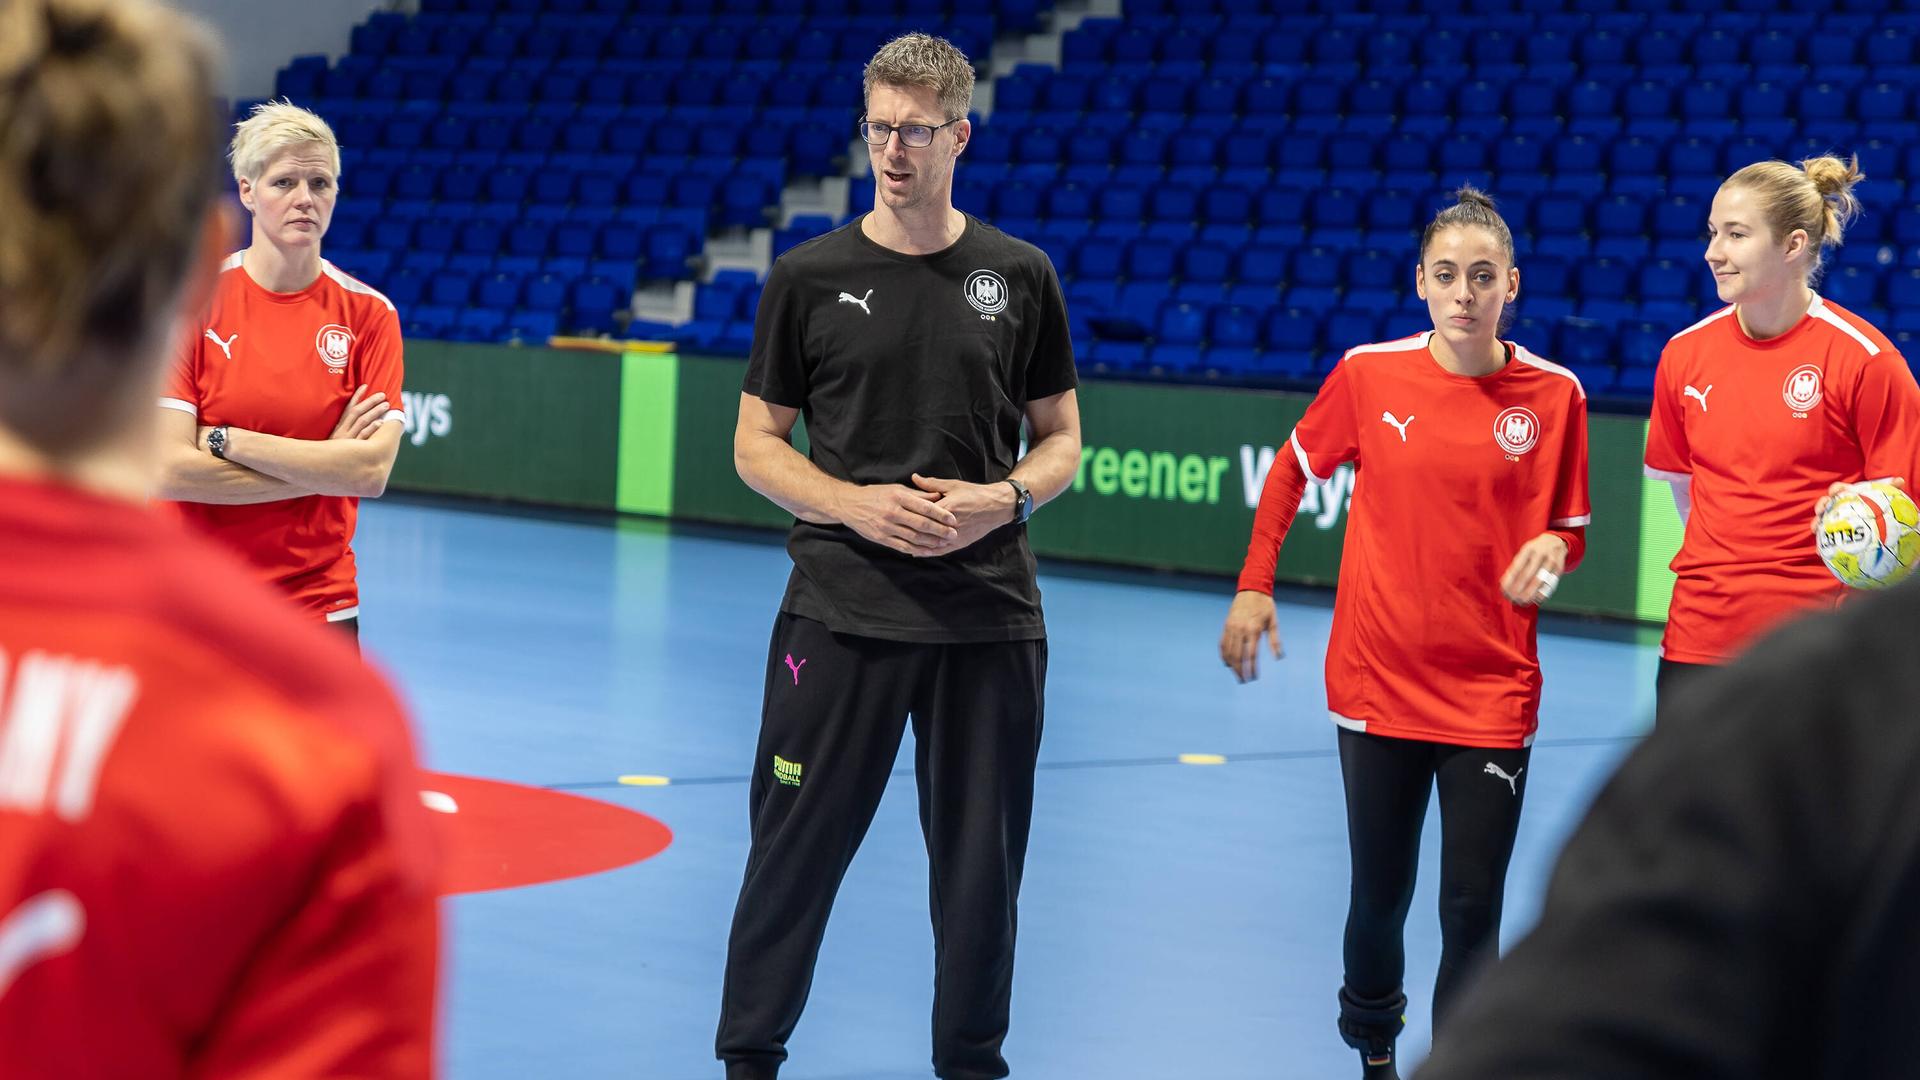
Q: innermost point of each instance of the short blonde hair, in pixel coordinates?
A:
(109, 168)
(923, 60)
(270, 130)
(1816, 196)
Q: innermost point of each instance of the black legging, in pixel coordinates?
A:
(1388, 782)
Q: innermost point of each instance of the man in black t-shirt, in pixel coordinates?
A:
(915, 341)
(1743, 900)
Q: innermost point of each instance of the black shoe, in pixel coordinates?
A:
(1377, 1066)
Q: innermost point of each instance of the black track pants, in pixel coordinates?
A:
(835, 710)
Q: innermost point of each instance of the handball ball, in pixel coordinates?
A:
(1870, 535)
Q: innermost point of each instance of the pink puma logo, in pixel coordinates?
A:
(796, 668)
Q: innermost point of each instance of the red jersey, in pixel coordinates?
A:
(286, 364)
(1453, 475)
(213, 858)
(1761, 429)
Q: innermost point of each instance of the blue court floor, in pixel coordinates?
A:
(1177, 921)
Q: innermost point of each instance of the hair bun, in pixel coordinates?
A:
(1469, 195)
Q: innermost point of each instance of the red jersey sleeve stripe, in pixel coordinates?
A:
(187, 407)
(1521, 354)
(1399, 345)
(1708, 321)
(1301, 453)
(1570, 522)
(353, 284)
(1819, 310)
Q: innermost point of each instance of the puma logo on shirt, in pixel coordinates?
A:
(1701, 394)
(849, 298)
(795, 668)
(1513, 781)
(1398, 425)
(225, 346)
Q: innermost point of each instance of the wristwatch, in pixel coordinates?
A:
(1022, 502)
(217, 442)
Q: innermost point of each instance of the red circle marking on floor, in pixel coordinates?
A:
(501, 835)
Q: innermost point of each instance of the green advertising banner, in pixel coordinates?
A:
(504, 422)
(705, 485)
(1169, 475)
(649, 414)
(1660, 533)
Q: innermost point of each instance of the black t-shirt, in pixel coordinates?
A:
(1743, 900)
(903, 364)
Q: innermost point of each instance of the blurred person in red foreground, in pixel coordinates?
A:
(213, 858)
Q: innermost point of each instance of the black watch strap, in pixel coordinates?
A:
(1022, 501)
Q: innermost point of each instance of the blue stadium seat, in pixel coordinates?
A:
(1543, 275)
(1852, 287)
(1262, 265)
(1559, 214)
(450, 289)
(1206, 263)
(1181, 324)
(1823, 103)
(1883, 102)
(669, 247)
(1291, 330)
(1232, 326)
(499, 291)
(545, 292)
(1347, 328)
(1634, 380)
(479, 324)
(1170, 203)
(1665, 280)
(1891, 47)
(1586, 344)
(1592, 98)
(1150, 260)
(433, 234)
(1099, 259)
(1577, 155)
(1376, 272)
(591, 305)
(430, 321)
(406, 288)
(1903, 290)
(1641, 343)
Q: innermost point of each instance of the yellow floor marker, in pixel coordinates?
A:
(1203, 759)
(645, 781)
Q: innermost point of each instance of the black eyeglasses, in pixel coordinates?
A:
(914, 135)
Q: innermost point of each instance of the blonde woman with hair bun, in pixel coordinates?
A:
(213, 857)
(1764, 408)
(283, 409)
